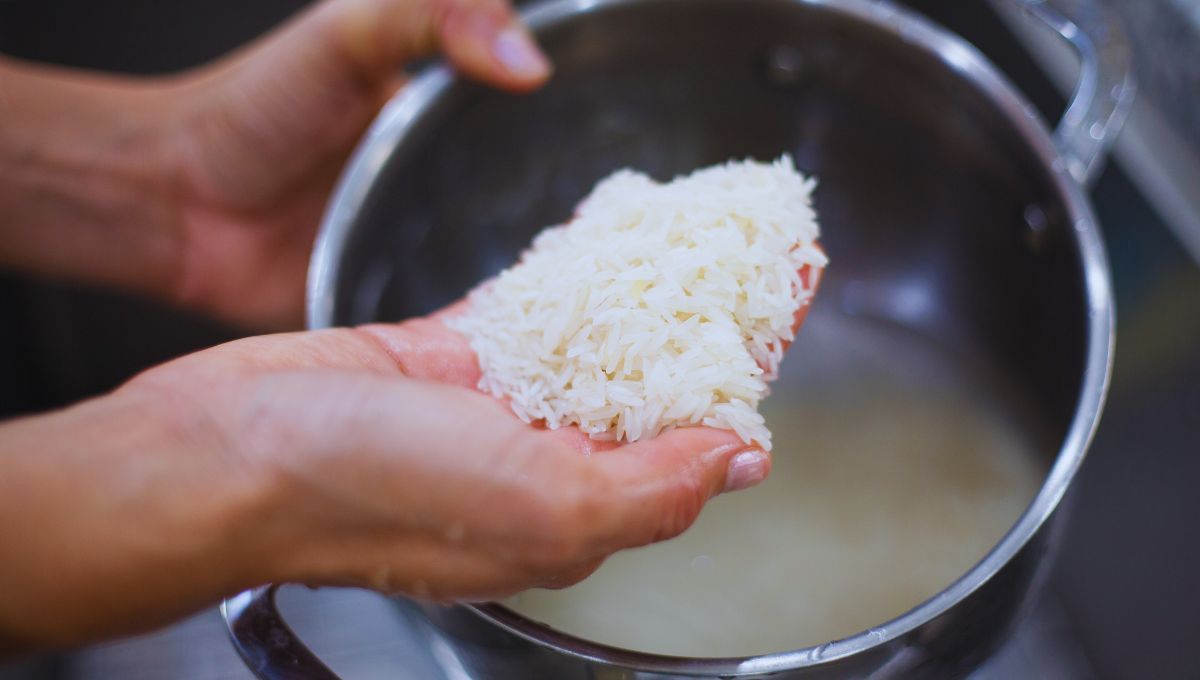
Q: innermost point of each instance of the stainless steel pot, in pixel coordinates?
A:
(949, 210)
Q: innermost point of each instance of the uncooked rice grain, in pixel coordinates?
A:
(655, 306)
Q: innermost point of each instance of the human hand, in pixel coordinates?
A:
(352, 457)
(205, 189)
(397, 475)
(257, 140)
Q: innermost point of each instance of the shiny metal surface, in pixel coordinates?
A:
(1105, 91)
(937, 180)
(266, 643)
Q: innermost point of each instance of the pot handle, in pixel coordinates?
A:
(1105, 91)
(271, 650)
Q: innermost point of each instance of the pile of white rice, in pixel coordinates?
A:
(657, 305)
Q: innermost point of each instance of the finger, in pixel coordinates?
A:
(481, 483)
(482, 38)
(425, 349)
(428, 568)
(575, 438)
(658, 487)
(422, 348)
(811, 277)
(456, 308)
(391, 88)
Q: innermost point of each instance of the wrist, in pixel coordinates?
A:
(222, 500)
(129, 519)
(83, 177)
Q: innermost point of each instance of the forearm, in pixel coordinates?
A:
(115, 518)
(83, 191)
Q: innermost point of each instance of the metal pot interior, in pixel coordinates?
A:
(955, 268)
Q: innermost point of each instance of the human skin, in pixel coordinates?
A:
(348, 457)
(199, 187)
(360, 457)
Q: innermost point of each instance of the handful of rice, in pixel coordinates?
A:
(656, 306)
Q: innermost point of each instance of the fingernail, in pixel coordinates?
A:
(746, 469)
(519, 54)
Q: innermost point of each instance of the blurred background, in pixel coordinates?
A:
(1123, 600)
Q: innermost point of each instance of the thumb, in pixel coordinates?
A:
(482, 38)
(264, 118)
(659, 486)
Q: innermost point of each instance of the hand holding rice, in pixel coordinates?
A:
(656, 306)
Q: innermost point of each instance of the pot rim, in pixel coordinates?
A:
(956, 53)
